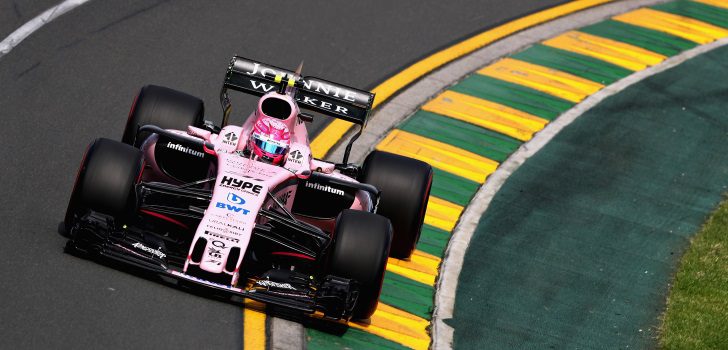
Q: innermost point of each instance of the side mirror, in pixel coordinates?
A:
(308, 118)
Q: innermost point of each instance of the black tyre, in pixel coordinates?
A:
(361, 248)
(105, 180)
(163, 107)
(405, 188)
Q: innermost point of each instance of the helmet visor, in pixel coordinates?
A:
(269, 146)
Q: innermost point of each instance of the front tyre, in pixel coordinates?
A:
(105, 181)
(361, 248)
(405, 185)
(163, 107)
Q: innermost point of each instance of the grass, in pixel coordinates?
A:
(697, 308)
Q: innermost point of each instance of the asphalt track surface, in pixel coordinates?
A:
(74, 80)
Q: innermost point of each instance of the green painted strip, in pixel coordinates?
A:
(433, 240)
(352, 339)
(574, 63)
(453, 188)
(702, 12)
(649, 39)
(408, 295)
(516, 96)
(486, 143)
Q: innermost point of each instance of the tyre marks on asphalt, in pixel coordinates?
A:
(466, 131)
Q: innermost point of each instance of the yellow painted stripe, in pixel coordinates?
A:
(424, 255)
(336, 129)
(440, 155)
(399, 267)
(419, 268)
(548, 80)
(684, 27)
(253, 325)
(398, 326)
(624, 55)
(486, 114)
(716, 3)
(442, 214)
(328, 137)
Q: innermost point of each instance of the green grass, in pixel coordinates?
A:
(697, 308)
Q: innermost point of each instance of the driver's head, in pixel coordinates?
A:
(270, 139)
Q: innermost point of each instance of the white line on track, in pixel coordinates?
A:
(36, 23)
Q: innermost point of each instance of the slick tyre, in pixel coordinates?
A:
(405, 188)
(361, 248)
(105, 181)
(163, 107)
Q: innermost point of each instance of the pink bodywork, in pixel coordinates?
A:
(242, 184)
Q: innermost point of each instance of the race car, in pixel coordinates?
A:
(245, 211)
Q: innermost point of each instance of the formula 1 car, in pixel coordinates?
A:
(246, 211)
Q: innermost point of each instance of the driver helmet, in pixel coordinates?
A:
(270, 139)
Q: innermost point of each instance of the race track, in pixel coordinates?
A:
(74, 80)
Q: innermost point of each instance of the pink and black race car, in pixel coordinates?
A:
(246, 210)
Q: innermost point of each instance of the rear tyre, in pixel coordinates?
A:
(105, 181)
(361, 247)
(405, 185)
(163, 107)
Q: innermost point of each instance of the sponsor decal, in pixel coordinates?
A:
(327, 89)
(183, 149)
(232, 208)
(261, 86)
(264, 71)
(216, 235)
(233, 218)
(227, 224)
(324, 188)
(230, 139)
(269, 283)
(144, 248)
(235, 199)
(322, 104)
(235, 183)
(295, 157)
(214, 253)
(311, 85)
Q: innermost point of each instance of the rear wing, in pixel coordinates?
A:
(336, 100)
